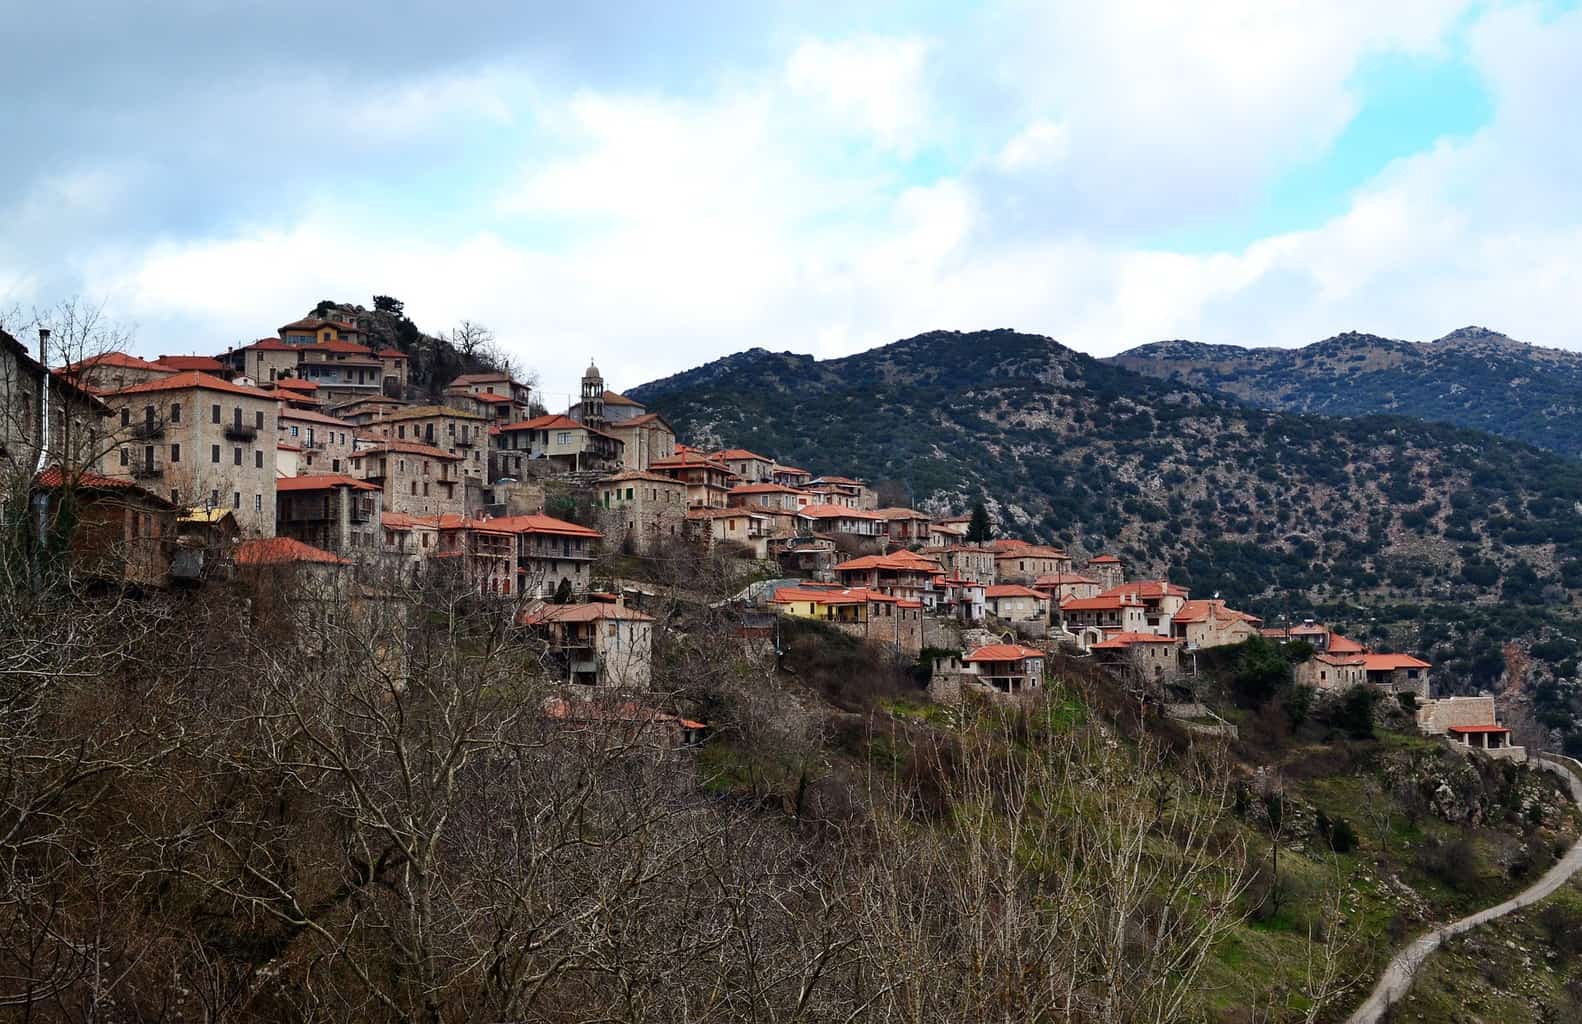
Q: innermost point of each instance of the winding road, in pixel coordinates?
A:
(1397, 977)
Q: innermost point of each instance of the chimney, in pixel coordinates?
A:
(43, 400)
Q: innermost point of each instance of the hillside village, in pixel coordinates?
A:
(311, 450)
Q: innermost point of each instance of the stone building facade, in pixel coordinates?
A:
(641, 509)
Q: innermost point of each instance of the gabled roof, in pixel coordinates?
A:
(896, 561)
(403, 521)
(313, 323)
(283, 551)
(1101, 603)
(647, 419)
(418, 412)
(540, 523)
(611, 398)
(902, 513)
(554, 421)
(764, 489)
(1123, 640)
(208, 364)
(480, 378)
(186, 379)
(742, 455)
(54, 477)
(1104, 560)
(116, 360)
(390, 353)
(1202, 610)
(836, 512)
(1031, 551)
(1014, 590)
(384, 444)
(1057, 579)
(293, 384)
(270, 345)
(322, 482)
(309, 416)
(1391, 662)
(1476, 728)
(336, 345)
(1003, 652)
(592, 611)
(1147, 589)
(831, 595)
(690, 460)
(637, 474)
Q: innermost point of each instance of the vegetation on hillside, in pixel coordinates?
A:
(1412, 536)
(1472, 377)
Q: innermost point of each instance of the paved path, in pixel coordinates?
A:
(1397, 977)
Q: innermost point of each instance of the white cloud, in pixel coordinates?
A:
(875, 82)
(1040, 145)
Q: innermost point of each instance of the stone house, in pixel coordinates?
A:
(114, 371)
(809, 557)
(708, 480)
(963, 600)
(1109, 570)
(417, 479)
(267, 360)
(744, 526)
(408, 540)
(1016, 603)
(905, 526)
(77, 427)
(842, 520)
(596, 644)
(790, 476)
(331, 511)
(1150, 655)
(481, 553)
(770, 495)
(1025, 564)
(200, 441)
(899, 574)
(118, 531)
(645, 440)
(327, 443)
(316, 330)
(855, 493)
(1205, 623)
(1469, 722)
(341, 369)
(1061, 585)
(1091, 619)
(366, 410)
(494, 383)
(1160, 600)
(550, 551)
(890, 622)
(394, 362)
(749, 467)
(1009, 668)
(1325, 671)
(968, 562)
(1397, 673)
(462, 434)
(565, 445)
(642, 509)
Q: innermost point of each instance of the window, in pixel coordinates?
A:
(126, 458)
(258, 503)
(175, 413)
(237, 502)
(258, 459)
(175, 453)
(215, 413)
(258, 420)
(564, 437)
(414, 488)
(236, 456)
(425, 488)
(335, 465)
(214, 451)
(294, 430)
(175, 496)
(236, 416)
(126, 417)
(401, 431)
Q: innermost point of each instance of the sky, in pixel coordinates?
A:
(652, 186)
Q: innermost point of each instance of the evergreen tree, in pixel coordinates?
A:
(979, 529)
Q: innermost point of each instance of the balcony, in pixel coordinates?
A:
(147, 431)
(240, 432)
(467, 442)
(145, 470)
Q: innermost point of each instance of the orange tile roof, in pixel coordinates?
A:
(764, 489)
(831, 595)
(322, 482)
(1031, 551)
(540, 523)
(1003, 652)
(183, 380)
(595, 611)
(54, 477)
(283, 551)
(1202, 609)
(1014, 590)
(636, 474)
(315, 322)
(836, 512)
(408, 448)
(209, 364)
(118, 360)
(899, 561)
(1147, 589)
(390, 353)
(346, 347)
(1122, 640)
(1101, 603)
(293, 384)
(612, 398)
(1344, 645)
(1104, 560)
(1476, 728)
(1391, 662)
(1056, 579)
(901, 513)
(271, 345)
(690, 459)
(309, 416)
(741, 455)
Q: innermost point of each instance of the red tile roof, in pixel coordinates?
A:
(1391, 662)
(690, 460)
(283, 551)
(741, 455)
(595, 611)
(1101, 603)
(764, 489)
(553, 421)
(184, 379)
(1003, 652)
(897, 561)
(322, 482)
(208, 364)
(1031, 551)
(313, 323)
(271, 345)
(836, 512)
(118, 360)
(1056, 579)
(408, 448)
(541, 523)
(1202, 609)
(611, 398)
(831, 595)
(1122, 640)
(1147, 589)
(53, 478)
(390, 353)
(1013, 590)
(346, 347)
(1476, 728)
(309, 416)
(293, 384)
(1104, 560)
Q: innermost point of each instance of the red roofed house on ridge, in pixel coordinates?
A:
(892, 623)
(595, 644)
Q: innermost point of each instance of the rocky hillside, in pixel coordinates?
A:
(1426, 537)
(1472, 377)
(435, 360)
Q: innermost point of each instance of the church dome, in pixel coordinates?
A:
(593, 373)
